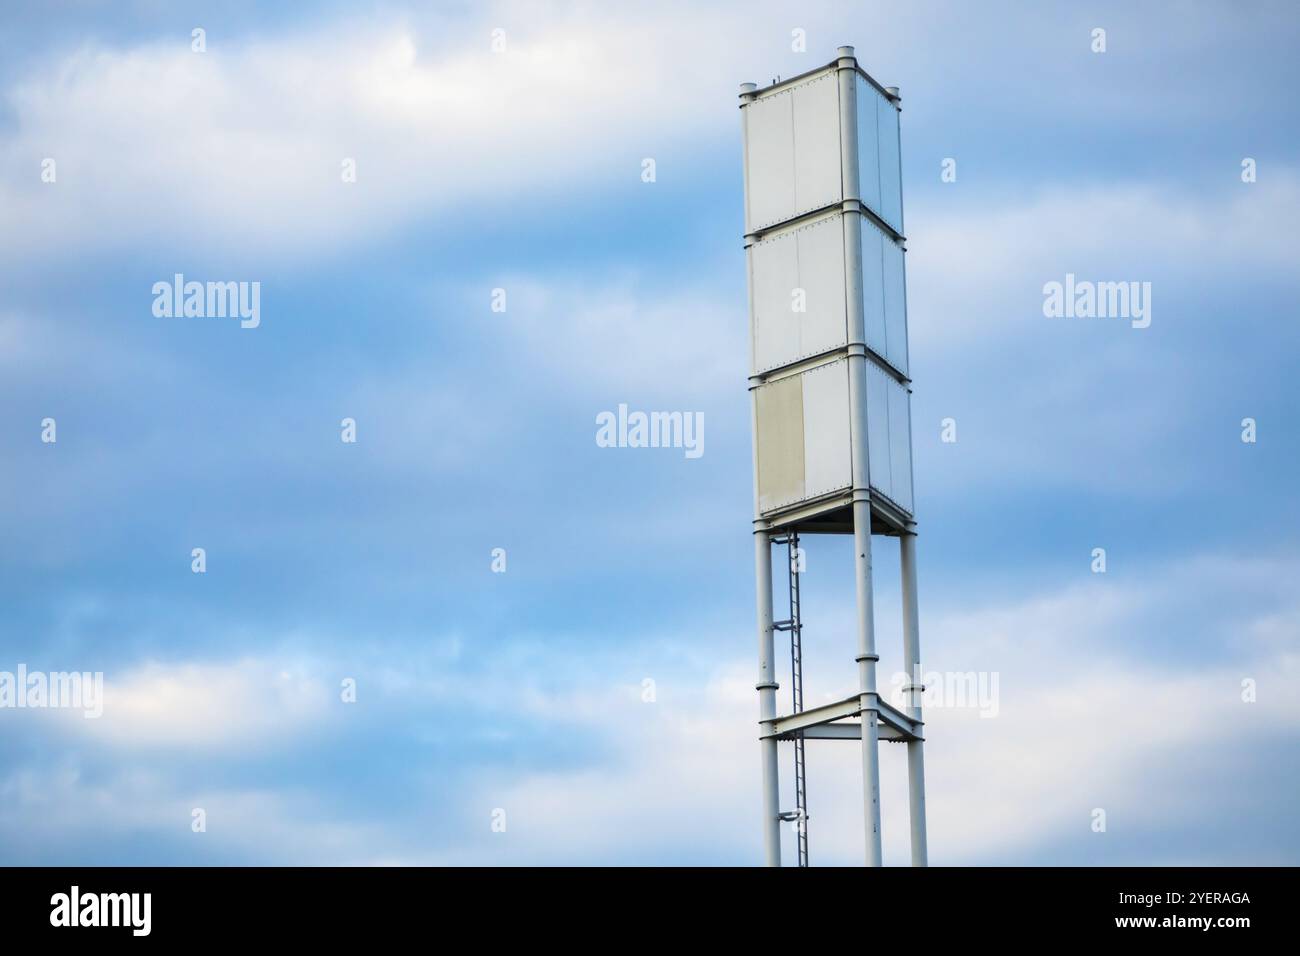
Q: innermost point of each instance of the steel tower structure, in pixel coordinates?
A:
(831, 403)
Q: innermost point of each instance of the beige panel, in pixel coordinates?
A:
(780, 443)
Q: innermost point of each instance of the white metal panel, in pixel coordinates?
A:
(794, 152)
(817, 143)
(895, 289)
(868, 146)
(809, 257)
(828, 464)
(879, 161)
(775, 265)
(803, 421)
(770, 123)
(891, 176)
(873, 286)
(878, 448)
(900, 445)
(824, 325)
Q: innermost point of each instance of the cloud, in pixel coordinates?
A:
(231, 159)
(976, 268)
(245, 705)
(1088, 717)
(1095, 406)
(240, 149)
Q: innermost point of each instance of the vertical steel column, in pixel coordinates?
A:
(767, 685)
(767, 693)
(912, 658)
(857, 358)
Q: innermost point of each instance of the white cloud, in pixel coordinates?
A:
(976, 269)
(1089, 716)
(239, 151)
(246, 705)
(240, 148)
(1083, 722)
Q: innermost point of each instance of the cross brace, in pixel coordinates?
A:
(816, 723)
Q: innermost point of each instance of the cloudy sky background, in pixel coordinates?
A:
(523, 690)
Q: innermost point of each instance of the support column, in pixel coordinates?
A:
(857, 359)
(912, 659)
(767, 694)
(767, 685)
(867, 678)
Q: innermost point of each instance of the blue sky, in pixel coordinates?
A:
(522, 691)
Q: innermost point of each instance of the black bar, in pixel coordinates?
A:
(331, 906)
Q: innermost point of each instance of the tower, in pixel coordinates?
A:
(831, 402)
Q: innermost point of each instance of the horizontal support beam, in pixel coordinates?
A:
(786, 726)
(818, 723)
(851, 730)
(893, 717)
(833, 514)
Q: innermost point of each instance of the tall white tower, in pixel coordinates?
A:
(831, 402)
